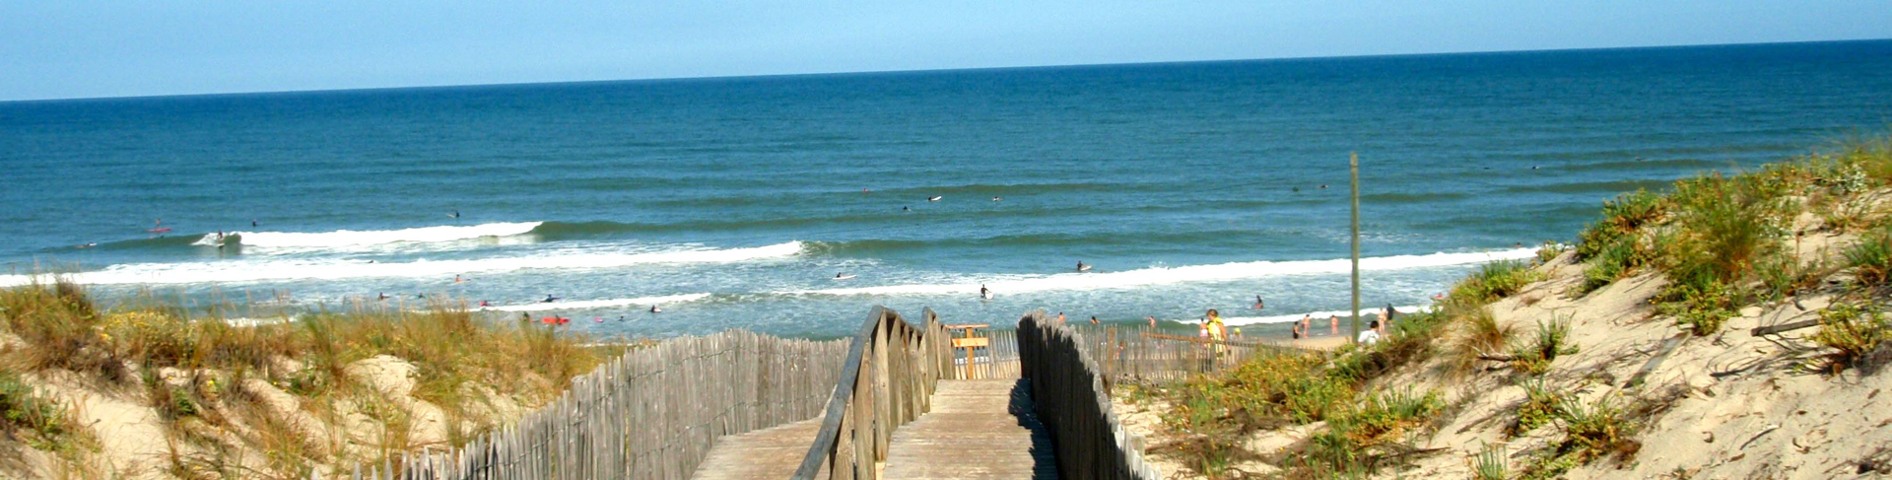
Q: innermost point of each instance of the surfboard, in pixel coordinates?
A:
(843, 277)
(159, 230)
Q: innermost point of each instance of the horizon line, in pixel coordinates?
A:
(915, 70)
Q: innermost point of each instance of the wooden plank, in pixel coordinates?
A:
(772, 452)
(971, 342)
(972, 433)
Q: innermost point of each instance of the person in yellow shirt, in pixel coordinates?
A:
(1218, 332)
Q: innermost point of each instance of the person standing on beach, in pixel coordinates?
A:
(1218, 332)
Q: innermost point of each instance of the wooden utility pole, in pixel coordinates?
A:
(1353, 168)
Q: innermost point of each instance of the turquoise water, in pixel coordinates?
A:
(734, 202)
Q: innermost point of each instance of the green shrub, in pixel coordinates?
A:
(1851, 331)
(1346, 445)
(1549, 251)
(1725, 225)
(1493, 281)
(1622, 217)
(1613, 262)
(1699, 308)
(1870, 155)
(1594, 431)
(1539, 408)
(25, 410)
(1871, 258)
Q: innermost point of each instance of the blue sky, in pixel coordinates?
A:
(84, 48)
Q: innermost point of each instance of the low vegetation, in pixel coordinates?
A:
(1551, 341)
(1852, 332)
(1718, 243)
(1726, 241)
(211, 382)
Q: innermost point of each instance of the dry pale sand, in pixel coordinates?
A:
(1729, 405)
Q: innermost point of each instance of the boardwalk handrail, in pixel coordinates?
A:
(1074, 404)
(887, 380)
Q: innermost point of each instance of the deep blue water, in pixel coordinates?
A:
(733, 202)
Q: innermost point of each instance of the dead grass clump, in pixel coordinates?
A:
(1484, 337)
(58, 326)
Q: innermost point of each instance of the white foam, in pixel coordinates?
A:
(1320, 317)
(338, 269)
(351, 240)
(1153, 276)
(596, 304)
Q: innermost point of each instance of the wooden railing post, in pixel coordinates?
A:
(887, 380)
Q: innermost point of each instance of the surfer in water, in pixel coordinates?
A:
(549, 299)
(985, 293)
(1082, 267)
(654, 309)
(1258, 304)
(934, 198)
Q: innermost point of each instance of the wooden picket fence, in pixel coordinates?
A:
(652, 413)
(1124, 353)
(1072, 397)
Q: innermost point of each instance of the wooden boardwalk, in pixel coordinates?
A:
(978, 429)
(767, 453)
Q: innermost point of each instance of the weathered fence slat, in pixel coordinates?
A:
(651, 413)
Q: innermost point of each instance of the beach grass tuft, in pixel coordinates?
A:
(1852, 331)
(1552, 339)
(1495, 280)
(1484, 336)
(1490, 463)
(1539, 407)
(1871, 258)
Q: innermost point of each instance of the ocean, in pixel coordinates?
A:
(736, 202)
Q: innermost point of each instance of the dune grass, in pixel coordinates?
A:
(1726, 241)
(195, 373)
(1852, 332)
